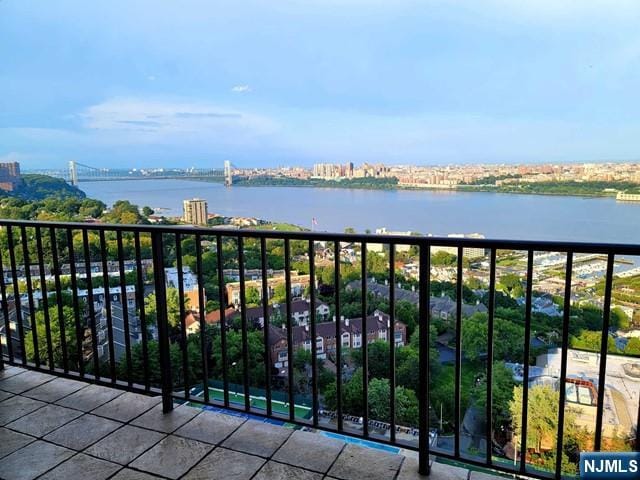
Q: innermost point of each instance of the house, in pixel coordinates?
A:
(189, 281)
(351, 336)
(441, 307)
(115, 294)
(446, 308)
(300, 313)
(192, 319)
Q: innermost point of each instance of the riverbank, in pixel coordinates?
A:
(558, 189)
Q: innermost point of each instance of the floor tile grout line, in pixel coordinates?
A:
(80, 390)
(53, 377)
(308, 469)
(404, 459)
(41, 438)
(164, 434)
(128, 465)
(224, 447)
(216, 446)
(344, 447)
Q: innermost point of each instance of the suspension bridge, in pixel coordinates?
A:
(78, 172)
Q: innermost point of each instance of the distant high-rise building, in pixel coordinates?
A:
(195, 211)
(10, 177)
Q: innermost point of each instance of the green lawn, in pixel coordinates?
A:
(259, 403)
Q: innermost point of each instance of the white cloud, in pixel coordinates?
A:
(172, 117)
(241, 89)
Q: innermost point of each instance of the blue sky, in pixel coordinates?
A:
(135, 83)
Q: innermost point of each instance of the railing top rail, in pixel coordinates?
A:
(489, 243)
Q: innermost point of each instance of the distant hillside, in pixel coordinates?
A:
(39, 187)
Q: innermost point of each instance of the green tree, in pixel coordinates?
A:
(235, 367)
(68, 319)
(590, 340)
(173, 307)
(502, 392)
(124, 212)
(542, 426)
(379, 402)
(443, 259)
(511, 284)
(620, 319)
(507, 338)
(252, 296)
(633, 346)
(407, 313)
(279, 293)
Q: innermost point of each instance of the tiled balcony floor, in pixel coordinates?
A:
(54, 428)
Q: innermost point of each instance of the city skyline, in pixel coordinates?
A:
(311, 82)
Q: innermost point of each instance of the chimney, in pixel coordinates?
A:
(341, 318)
(334, 319)
(413, 288)
(284, 326)
(386, 282)
(388, 323)
(346, 322)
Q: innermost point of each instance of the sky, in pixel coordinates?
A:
(143, 83)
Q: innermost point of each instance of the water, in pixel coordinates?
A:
(496, 215)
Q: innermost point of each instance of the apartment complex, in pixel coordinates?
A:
(194, 211)
(298, 285)
(351, 336)
(467, 252)
(10, 178)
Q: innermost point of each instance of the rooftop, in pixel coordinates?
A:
(58, 428)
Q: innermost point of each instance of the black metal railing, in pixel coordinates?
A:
(65, 323)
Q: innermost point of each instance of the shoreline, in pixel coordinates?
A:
(464, 189)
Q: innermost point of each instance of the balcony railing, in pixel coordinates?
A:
(365, 364)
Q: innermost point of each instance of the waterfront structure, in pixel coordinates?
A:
(628, 197)
(195, 211)
(399, 247)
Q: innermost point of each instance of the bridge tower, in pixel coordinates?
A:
(73, 173)
(228, 177)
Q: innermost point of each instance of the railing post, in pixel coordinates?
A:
(423, 351)
(163, 324)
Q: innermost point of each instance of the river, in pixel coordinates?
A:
(495, 215)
